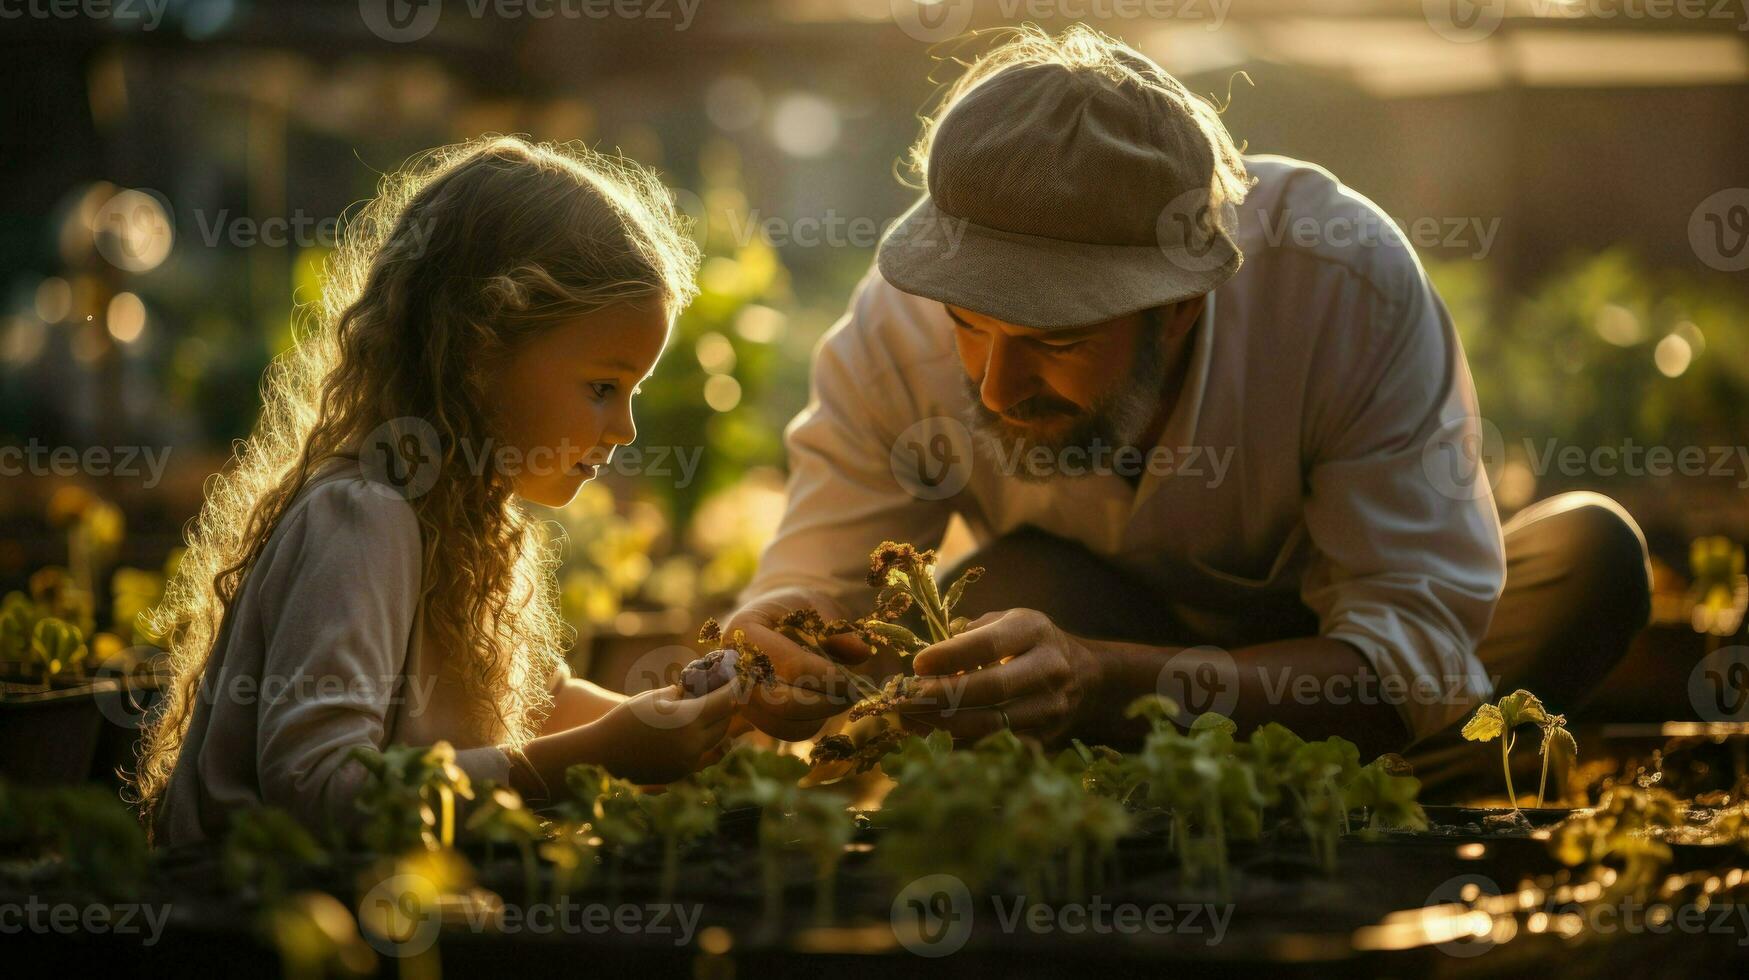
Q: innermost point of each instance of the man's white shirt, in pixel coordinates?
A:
(1323, 451)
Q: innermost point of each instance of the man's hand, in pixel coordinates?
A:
(809, 688)
(1015, 662)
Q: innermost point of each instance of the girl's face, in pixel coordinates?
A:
(565, 398)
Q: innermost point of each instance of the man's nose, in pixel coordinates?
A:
(1009, 378)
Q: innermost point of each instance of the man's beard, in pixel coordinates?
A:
(1119, 418)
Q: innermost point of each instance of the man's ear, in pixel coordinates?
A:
(1177, 319)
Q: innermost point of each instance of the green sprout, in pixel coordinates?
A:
(821, 825)
(1498, 721)
(316, 936)
(610, 806)
(265, 848)
(56, 647)
(747, 776)
(1387, 794)
(1626, 828)
(501, 818)
(1554, 734)
(1720, 592)
(18, 618)
(571, 851)
(398, 799)
(678, 815)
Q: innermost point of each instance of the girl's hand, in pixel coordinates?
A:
(809, 689)
(660, 736)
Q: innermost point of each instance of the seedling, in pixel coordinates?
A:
(316, 936)
(610, 806)
(1388, 796)
(265, 849)
(1498, 721)
(747, 776)
(1554, 734)
(905, 578)
(398, 801)
(678, 815)
(572, 853)
(1720, 592)
(1624, 827)
(56, 647)
(821, 825)
(501, 818)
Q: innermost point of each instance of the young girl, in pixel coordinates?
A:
(360, 574)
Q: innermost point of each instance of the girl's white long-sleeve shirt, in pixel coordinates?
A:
(322, 652)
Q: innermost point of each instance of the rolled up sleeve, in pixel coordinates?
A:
(843, 496)
(1409, 558)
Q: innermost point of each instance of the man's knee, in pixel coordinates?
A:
(1601, 552)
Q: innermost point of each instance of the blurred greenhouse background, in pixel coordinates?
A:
(169, 192)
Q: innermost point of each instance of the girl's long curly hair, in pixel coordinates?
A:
(466, 251)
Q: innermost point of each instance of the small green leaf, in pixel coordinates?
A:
(1485, 726)
(1521, 707)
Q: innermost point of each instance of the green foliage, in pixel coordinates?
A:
(572, 853)
(265, 849)
(608, 804)
(56, 647)
(1497, 721)
(678, 815)
(1622, 831)
(819, 825)
(999, 807)
(99, 846)
(1574, 361)
(748, 776)
(1389, 799)
(409, 799)
(1719, 592)
(501, 818)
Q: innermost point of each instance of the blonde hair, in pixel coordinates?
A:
(466, 251)
(1081, 48)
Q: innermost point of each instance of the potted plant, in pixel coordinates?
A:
(1499, 722)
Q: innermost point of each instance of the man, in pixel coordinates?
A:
(1203, 452)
